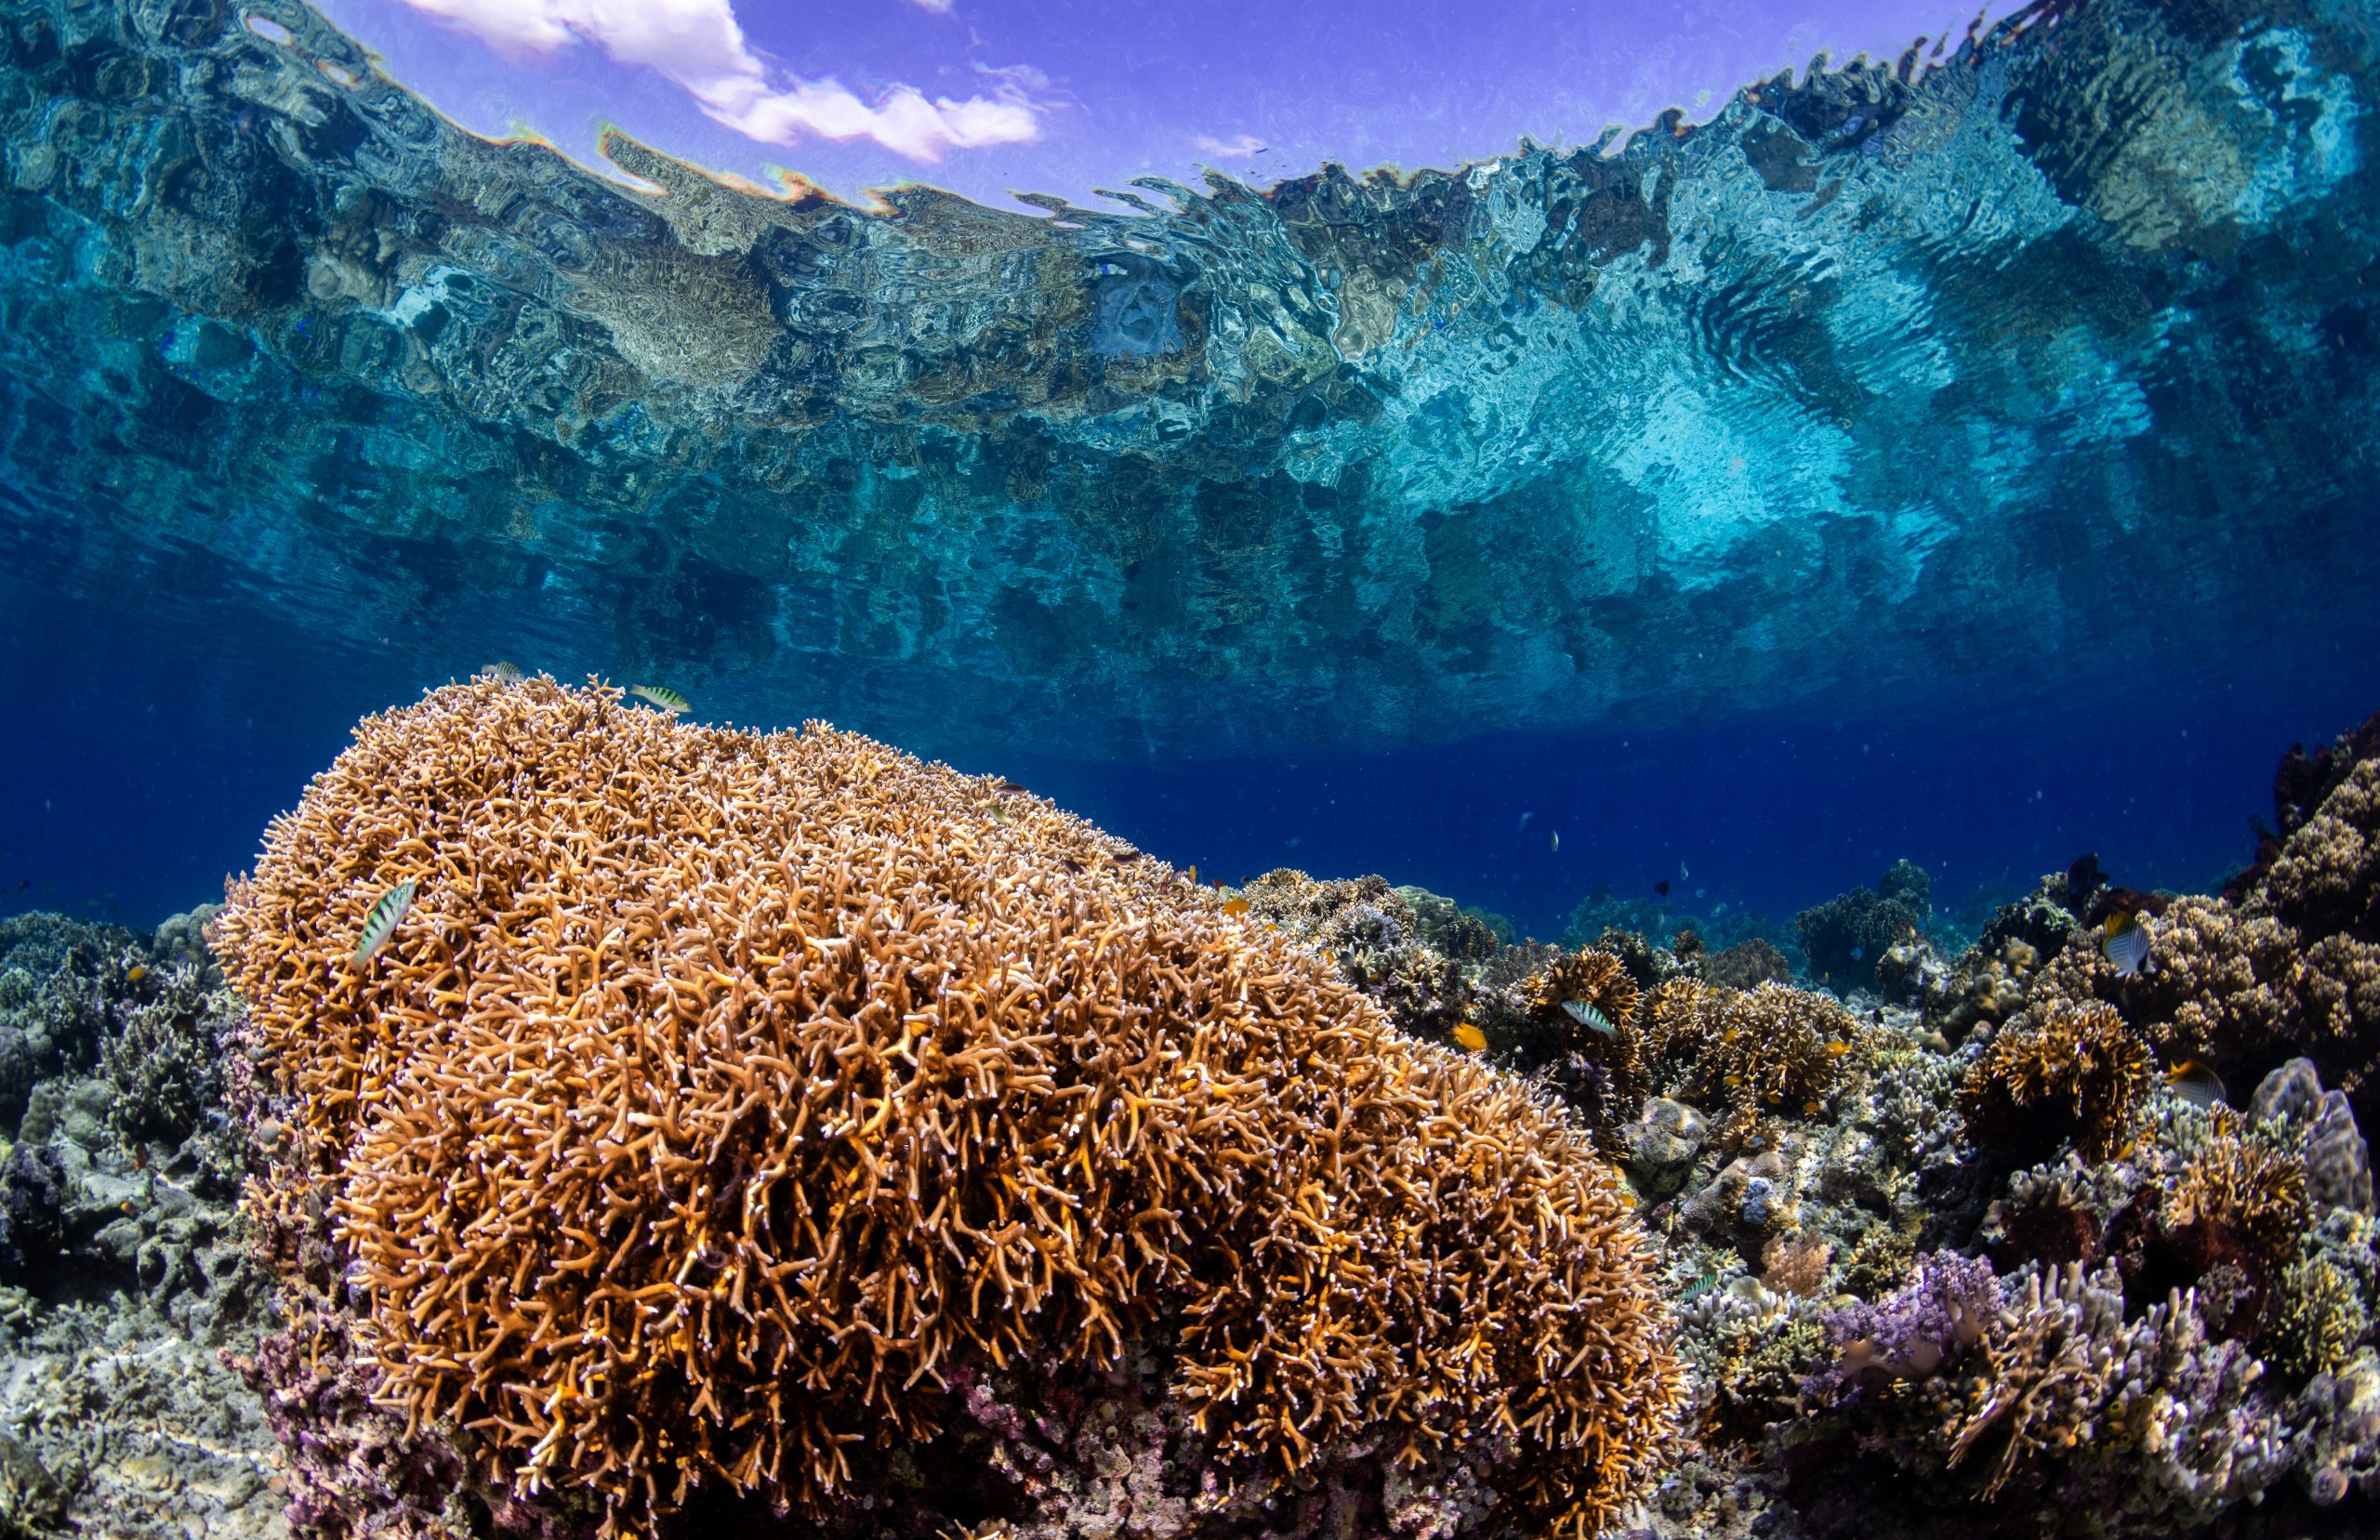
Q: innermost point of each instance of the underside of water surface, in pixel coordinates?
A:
(1727, 636)
(2033, 377)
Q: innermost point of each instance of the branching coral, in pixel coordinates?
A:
(2292, 967)
(1782, 1048)
(2068, 1391)
(2247, 1186)
(2081, 1073)
(725, 1102)
(1766, 1051)
(1844, 937)
(160, 1054)
(1576, 1019)
(1747, 965)
(2318, 1322)
(1588, 977)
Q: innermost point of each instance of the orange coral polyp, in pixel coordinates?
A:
(722, 1094)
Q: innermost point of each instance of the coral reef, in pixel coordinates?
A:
(759, 1116)
(1748, 965)
(1457, 932)
(1847, 936)
(2078, 1076)
(1907, 884)
(1956, 1259)
(125, 1272)
(2290, 969)
(2300, 784)
(1757, 1053)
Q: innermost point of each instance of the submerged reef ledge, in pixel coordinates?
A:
(1540, 441)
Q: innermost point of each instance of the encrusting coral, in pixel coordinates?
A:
(731, 1110)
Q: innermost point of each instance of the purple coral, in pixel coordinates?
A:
(1940, 1313)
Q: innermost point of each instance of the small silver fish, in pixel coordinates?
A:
(1590, 1018)
(501, 672)
(661, 695)
(1557, 840)
(382, 922)
(2125, 940)
(1524, 822)
(2197, 1085)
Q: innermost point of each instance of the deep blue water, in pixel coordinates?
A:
(155, 740)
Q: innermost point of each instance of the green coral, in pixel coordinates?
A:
(2321, 1322)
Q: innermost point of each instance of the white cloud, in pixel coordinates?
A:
(698, 45)
(1245, 144)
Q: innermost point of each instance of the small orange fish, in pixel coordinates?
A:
(135, 974)
(1471, 1037)
(1193, 874)
(1235, 907)
(1838, 1050)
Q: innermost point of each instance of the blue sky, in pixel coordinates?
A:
(990, 96)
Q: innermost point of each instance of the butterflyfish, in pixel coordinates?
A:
(1590, 1018)
(661, 695)
(382, 922)
(1235, 907)
(1471, 1037)
(2125, 940)
(2197, 1085)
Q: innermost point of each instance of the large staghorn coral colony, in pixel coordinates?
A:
(780, 1118)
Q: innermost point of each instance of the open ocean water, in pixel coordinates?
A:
(1641, 554)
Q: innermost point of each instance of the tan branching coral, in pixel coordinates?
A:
(726, 1101)
(1795, 1263)
(2243, 1187)
(1590, 977)
(1763, 1052)
(2292, 967)
(2080, 1073)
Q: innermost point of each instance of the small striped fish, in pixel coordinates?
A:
(661, 695)
(2125, 940)
(1590, 1018)
(2197, 1085)
(382, 923)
